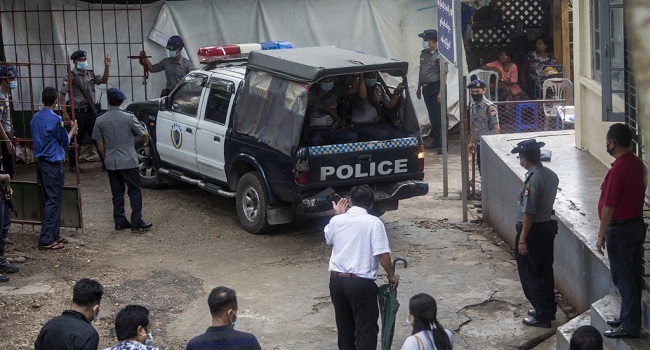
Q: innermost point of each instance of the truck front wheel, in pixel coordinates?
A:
(146, 168)
(251, 203)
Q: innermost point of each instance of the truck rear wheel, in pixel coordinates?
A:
(251, 203)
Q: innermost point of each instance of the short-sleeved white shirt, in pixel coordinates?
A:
(356, 238)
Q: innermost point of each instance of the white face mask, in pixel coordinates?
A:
(82, 65)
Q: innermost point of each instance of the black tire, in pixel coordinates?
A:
(146, 168)
(251, 203)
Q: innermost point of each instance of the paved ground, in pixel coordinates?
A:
(281, 278)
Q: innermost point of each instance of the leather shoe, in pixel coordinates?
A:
(533, 322)
(144, 226)
(4, 278)
(123, 226)
(614, 322)
(619, 333)
(532, 313)
(6, 267)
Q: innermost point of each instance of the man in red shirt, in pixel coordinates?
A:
(622, 229)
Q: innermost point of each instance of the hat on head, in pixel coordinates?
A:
(477, 84)
(527, 145)
(174, 43)
(8, 72)
(115, 94)
(77, 54)
(429, 34)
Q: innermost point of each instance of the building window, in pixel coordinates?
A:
(608, 51)
(595, 39)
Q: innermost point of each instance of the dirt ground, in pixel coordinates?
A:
(281, 278)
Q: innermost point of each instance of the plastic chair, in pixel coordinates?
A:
(519, 123)
(560, 89)
(485, 75)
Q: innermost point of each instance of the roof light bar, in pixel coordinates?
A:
(225, 52)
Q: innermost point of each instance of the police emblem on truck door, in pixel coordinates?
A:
(176, 135)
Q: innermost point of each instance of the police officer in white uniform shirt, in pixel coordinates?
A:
(359, 244)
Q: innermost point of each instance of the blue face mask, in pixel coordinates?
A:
(82, 65)
(149, 340)
(371, 82)
(172, 54)
(425, 44)
(327, 86)
(13, 85)
(233, 322)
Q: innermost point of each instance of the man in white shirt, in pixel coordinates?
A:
(359, 243)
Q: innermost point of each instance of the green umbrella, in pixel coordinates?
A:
(388, 306)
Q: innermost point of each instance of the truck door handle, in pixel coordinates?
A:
(217, 139)
(189, 130)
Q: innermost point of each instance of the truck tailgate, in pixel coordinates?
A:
(365, 162)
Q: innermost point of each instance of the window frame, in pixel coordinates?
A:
(610, 66)
(221, 85)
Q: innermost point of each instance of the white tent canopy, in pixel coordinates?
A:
(385, 28)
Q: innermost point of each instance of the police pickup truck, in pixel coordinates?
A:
(237, 128)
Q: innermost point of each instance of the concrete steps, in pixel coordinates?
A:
(608, 308)
(564, 332)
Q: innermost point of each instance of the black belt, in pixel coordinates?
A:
(83, 110)
(344, 275)
(431, 83)
(43, 160)
(615, 223)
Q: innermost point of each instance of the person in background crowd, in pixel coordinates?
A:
(85, 108)
(133, 329)
(429, 84)
(175, 66)
(72, 329)
(622, 229)
(114, 134)
(222, 334)
(5, 217)
(8, 82)
(483, 118)
(326, 125)
(359, 244)
(535, 62)
(535, 234)
(509, 89)
(586, 338)
(49, 138)
(428, 333)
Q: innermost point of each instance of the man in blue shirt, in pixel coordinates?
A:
(50, 139)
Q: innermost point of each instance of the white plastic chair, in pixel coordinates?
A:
(556, 89)
(485, 75)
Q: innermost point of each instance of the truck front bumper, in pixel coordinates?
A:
(392, 192)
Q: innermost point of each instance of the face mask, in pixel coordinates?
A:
(408, 319)
(82, 65)
(13, 85)
(477, 97)
(149, 340)
(327, 86)
(610, 152)
(425, 44)
(172, 54)
(371, 82)
(233, 322)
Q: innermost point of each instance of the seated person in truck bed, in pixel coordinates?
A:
(326, 125)
(370, 108)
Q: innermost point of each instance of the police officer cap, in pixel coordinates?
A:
(429, 34)
(78, 54)
(8, 72)
(174, 43)
(477, 84)
(115, 94)
(527, 145)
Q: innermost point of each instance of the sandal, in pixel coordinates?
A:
(62, 240)
(55, 245)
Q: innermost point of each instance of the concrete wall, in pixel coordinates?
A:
(581, 274)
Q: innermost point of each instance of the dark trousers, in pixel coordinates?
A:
(478, 157)
(319, 136)
(86, 121)
(5, 223)
(430, 96)
(8, 161)
(369, 132)
(356, 310)
(536, 269)
(625, 250)
(51, 178)
(119, 180)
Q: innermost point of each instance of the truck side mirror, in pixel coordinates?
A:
(164, 103)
